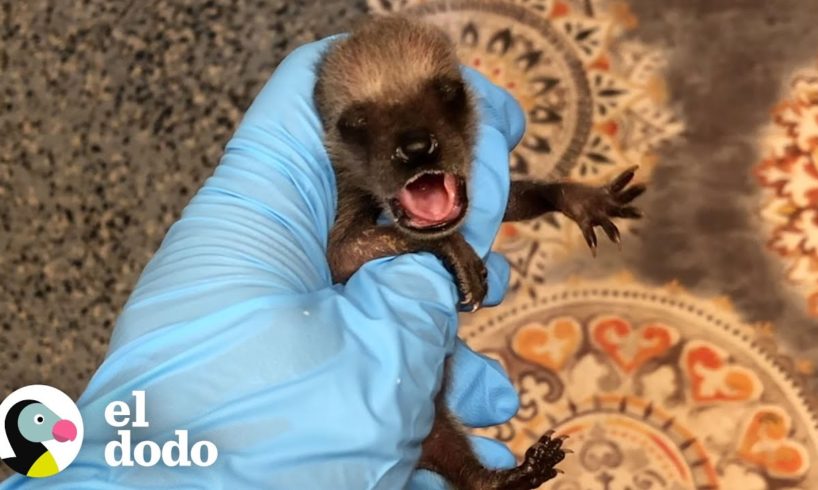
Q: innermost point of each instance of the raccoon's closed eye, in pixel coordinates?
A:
(353, 124)
(451, 90)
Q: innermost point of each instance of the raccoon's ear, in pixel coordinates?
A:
(353, 124)
(452, 91)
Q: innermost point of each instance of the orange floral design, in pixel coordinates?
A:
(766, 444)
(630, 348)
(713, 378)
(549, 345)
(789, 175)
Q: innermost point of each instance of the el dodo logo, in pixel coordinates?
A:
(41, 431)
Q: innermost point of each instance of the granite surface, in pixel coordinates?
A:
(112, 113)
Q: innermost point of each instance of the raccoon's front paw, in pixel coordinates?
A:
(472, 283)
(595, 206)
(469, 271)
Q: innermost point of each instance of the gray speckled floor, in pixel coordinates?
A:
(113, 112)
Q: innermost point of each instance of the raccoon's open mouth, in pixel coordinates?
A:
(431, 201)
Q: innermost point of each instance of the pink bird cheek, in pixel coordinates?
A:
(64, 430)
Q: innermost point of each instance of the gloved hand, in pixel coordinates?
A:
(236, 334)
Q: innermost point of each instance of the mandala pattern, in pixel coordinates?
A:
(593, 102)
(789, 176)
(657, 390)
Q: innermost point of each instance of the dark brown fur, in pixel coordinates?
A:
(391, 76)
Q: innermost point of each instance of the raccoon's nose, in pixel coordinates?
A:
(415, 145)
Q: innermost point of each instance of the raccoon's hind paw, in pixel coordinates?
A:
(538, 466)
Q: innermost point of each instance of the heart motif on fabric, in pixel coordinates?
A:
(766, 443)
(630, 348)
(714, 377)
(550, 345)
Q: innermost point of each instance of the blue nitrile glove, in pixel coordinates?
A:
(236, 334)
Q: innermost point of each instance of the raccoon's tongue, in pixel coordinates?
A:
(430, 199)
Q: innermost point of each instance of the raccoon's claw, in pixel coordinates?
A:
(620, 181)
(472, 284)
(621, 195)
(469, 307)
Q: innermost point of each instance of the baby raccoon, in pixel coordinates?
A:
(400, 129)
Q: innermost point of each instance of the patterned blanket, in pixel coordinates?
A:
(660, 387)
